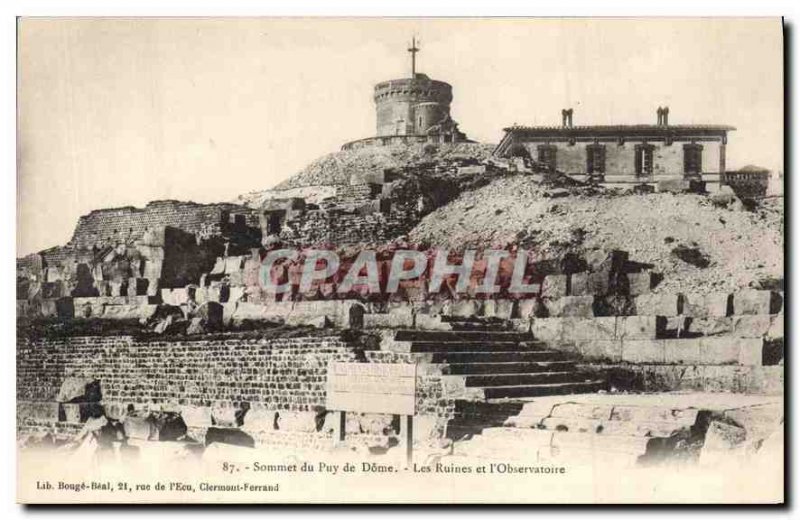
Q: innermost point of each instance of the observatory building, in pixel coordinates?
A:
(411, 110)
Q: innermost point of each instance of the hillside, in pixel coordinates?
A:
(742, 247)
(338, 167)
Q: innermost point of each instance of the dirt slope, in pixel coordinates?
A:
(743, 247)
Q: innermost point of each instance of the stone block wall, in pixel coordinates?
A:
(282, 373)
(111, 226)
(283, 376)
(342, 228)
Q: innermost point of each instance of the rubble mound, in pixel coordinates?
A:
(339, 167)
(741, 247)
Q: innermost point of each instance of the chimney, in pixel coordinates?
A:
(566, 117)
(660, 113)
(666, 116)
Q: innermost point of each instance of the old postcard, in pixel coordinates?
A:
(346, 260)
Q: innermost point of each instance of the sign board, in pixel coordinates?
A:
(372, 388)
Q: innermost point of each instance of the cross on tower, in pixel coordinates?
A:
(413, 50)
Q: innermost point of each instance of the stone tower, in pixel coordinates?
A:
(414, 105)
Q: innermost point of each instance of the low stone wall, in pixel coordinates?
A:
(283, 381)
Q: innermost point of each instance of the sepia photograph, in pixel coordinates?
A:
(343, 260)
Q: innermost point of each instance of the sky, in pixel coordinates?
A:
(119, 112)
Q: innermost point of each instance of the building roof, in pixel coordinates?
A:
(751, 168)
(618, 129)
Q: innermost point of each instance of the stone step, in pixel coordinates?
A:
(464, 408)
(499, 392)
(512, 367)
(460, 335)
(470, 346)
(470, 417)
(496, 357)
(527, 379)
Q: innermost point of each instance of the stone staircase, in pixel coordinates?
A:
(487, 363)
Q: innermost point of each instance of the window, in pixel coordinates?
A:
(546, 154)
(643, 159)
(595, 158)
(693, 159)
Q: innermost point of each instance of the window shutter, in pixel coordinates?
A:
(638, 159)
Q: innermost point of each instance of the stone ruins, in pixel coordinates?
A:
(156, 319)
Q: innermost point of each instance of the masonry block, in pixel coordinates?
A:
(79, 389)
(707, 305)
(547, 329)
(719, 351)
(506, 309)
(224, 416)
(776, 327)
(115, 288)
(73, 412)
(721, 438)
(389, 320)
(752, 301)
(579, 284)
(682, 351)
(102, 287)
(48, 308)
(662, 304)
(639, 283)
(546, 307)
(46, 411)
(752, 326)
(751, 352)
(488, 308)
(297, 421)
(236, 294)
(731, 351)
(710, 326)
(554, 286)
(643, 351)
(427, 322)
(636, 327)
(465, 308)
(609, 350)
(599, 283)
(138, 428)
(575, 306)
(260, 419)
(600, 328)
(532, 308)
(196, 416)
(115, 409)
(672, 326)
